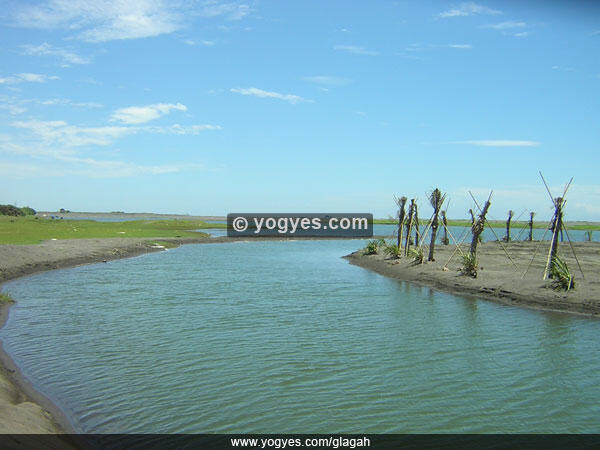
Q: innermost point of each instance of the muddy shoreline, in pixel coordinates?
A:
(499, 279)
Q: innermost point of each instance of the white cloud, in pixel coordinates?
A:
(59, 132)
(291, 98)
(563, 69)
(46, 49)
(182, 129)
(103, 20)
(462, 46)
(328, 80)
(506, 25)
(28, 77)
(500, 143)
(231, 11)
(469, 9)
(196, 43)
(522, 34)
(355, 49)
(141, 114)
(69, 136)
(89, 167)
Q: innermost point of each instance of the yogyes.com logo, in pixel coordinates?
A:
(300, 224)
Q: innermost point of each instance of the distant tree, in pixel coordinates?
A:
(26, 210)
(10, 210)
(62, 210)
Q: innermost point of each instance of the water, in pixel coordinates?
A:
(288, 337)
(517, 233)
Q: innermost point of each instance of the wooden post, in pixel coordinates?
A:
(401, 202)
(445, 240)
(556, 228)
(477, 229)
(531, 214)
(416, 221)
(472, 217)
(409, 222)
(436, 199)
(510, 216)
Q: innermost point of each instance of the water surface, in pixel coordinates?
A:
(288, 337)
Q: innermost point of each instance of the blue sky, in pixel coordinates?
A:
(207, 107)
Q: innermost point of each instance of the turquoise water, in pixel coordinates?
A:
(288, 337)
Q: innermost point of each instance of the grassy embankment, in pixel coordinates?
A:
(499, 224)
(33, 230)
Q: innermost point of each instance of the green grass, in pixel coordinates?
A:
(501, 224)
(32, 230)
(5, 298)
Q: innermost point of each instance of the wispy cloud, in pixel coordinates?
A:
(67, 57)
(196, 43)
(182, 129)
(291, 98)
(499, 143)
(90, 168)
(506, 25)
(424, 47)
(563, 69)
(103, 20)
(229, 10)
(469, 9)
(60, 132)
(28, 77)
(355, 49)
(141, 114)
(328, 80)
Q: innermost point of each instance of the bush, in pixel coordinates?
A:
(27, 211)
(416, 253)
(470, 264)
(10, 210)
(562, 278)
(6, 298)
(371, 248)
(393, 251)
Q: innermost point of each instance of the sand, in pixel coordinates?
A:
(498, 279)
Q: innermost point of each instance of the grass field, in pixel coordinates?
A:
(498, 224)
(33, 230)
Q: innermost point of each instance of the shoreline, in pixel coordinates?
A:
(499, 281)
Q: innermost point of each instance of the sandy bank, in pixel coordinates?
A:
(498, 279)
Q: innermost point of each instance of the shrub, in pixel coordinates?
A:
(416, 253)
(393, 251)
(470, 264)
(6, 298)
(10, 210)
(562, 278)
(26, 210)
(371, 248)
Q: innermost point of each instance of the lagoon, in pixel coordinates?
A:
(288, 337)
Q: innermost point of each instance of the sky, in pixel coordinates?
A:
(207, 107)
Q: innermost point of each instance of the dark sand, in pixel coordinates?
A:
(499, 280)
